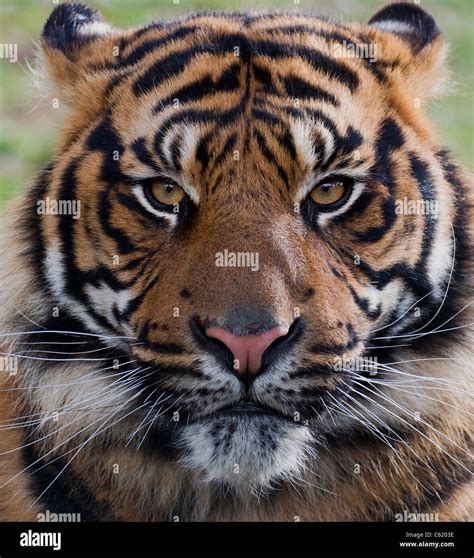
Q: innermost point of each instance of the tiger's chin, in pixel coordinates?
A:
(246, 453)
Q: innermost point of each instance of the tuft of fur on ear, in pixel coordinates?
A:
(411, 47)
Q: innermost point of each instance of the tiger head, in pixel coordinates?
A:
(263, 211)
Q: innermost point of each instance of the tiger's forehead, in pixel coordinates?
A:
(205, 88)
(282, 43)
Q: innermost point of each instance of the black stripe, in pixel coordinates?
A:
(314, 113)
(105, 139)
(267, 117)
(374, 234)
(141, 214)
(297, 29)
(118, 235)
(205, 86)
(268, 154)
(67, 493)
(202, 149)
(102, 275)
(168, 67)
(344, 145)
(287, 142)
(30, 224)
(154, 44)
(156, 347)
(363, 304)
(175, 149)
(195, 116)
(317, 60)
(228, 147)
(264, 76)
(361, 204)
(390, 138)
(338, 349)
(136, 302)
(302, 89)
(419, 170)
(72, 274)
(143, 154)
(154, 26)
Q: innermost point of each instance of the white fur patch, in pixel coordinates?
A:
(394, 26)
(246, 453)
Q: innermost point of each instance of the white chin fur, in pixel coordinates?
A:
(246, 453)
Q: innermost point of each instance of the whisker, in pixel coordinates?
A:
(447, 287)
(81, 446)
(421, 395)
(392, 402)
(65, 332)
(55, 359)
(82, 380)
(52, 451)
(69, 409)
(99, 349)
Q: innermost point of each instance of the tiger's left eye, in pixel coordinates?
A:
(331, 191)
(164, 193)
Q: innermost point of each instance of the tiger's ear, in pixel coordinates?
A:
(411, 46)
(76, 42)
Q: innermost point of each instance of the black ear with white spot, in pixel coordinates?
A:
(409, 22)
(71, 25)
(411, 50)
(77, 47)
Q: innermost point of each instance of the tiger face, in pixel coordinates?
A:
(242, 250)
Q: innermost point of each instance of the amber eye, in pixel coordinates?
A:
(164, 193)
(331, 191)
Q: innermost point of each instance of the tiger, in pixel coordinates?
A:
(242, 288)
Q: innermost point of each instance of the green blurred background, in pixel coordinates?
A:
(29, 123)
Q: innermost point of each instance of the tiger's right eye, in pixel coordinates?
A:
(163, 194)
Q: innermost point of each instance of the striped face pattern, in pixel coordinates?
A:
(265, 216)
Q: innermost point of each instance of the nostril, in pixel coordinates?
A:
(283, 344)
(209, 344)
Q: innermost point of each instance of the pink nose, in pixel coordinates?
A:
(247, 349)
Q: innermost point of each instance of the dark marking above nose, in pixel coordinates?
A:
(184, 293)
(248, 319)
(308, 293)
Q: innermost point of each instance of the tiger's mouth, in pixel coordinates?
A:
(248, 409)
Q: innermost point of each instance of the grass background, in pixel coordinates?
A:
(29, 124)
